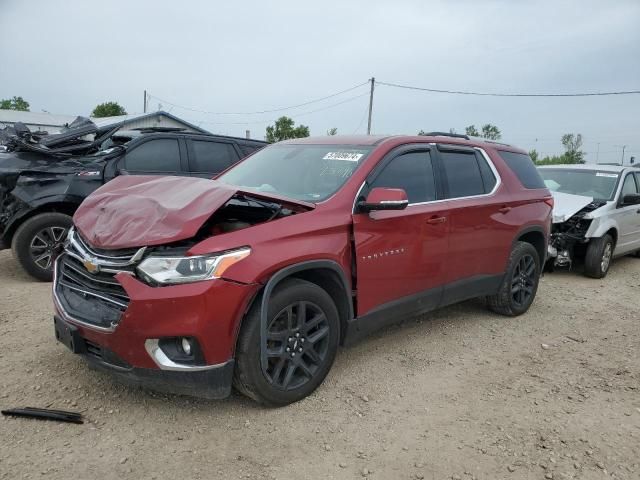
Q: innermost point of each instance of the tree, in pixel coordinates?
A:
(572, 144)
(108, 109)
(15, 103)
(488, 131)
(491, 132)
(332, 131)
(284, 129)
(471, 131)
(534, 155)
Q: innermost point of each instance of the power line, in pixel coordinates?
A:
(258, 122)
(488, 94)
(281, 109)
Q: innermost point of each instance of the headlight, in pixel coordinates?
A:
(171, 270)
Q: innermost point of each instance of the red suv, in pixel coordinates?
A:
(254, 279)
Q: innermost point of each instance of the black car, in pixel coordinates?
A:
(44, 178)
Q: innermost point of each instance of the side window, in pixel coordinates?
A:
(464, 178)
(160, 155)
(629, 186)
(524, 168)
(413, 172)
(249, 149)
(212, 157)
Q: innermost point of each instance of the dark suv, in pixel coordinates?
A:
(43, 180)
(255, 278)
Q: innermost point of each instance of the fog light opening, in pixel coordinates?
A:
(185, 344)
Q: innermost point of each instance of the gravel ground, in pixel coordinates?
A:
(457, 394)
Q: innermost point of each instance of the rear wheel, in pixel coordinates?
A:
(303, 332)
(599, 255)
(520, 282)
(38, 240)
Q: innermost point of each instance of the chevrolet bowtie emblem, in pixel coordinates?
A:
(91, 266)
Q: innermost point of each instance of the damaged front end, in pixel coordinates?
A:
(571, 222)
(137, 232)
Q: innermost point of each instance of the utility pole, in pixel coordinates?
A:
(623, 148)
(598, 153)
(144, 107)
(373, 85)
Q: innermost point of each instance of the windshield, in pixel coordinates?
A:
(590, 183)
(304, 172)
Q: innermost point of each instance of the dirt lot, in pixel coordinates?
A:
(458, 394)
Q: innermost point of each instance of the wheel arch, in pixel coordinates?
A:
(327, 274)
(65, 207)
(536, 237)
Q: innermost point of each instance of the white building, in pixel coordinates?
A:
(53, 123)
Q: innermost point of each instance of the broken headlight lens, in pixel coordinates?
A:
(172, 270)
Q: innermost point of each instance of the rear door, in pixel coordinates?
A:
(154, 156)
(401, 255)
(480, 234)
(628, 217)
(207, 158)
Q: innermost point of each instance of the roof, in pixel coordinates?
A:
(35, 118)
(48, 119)
(366, 140)
(338, 140)
(588, 166)
(127, 119)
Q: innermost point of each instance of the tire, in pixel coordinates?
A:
(37, 241)
(286, 381)
(599, 255)
(523, 273)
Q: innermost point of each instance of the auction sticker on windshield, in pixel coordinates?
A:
(348, 156)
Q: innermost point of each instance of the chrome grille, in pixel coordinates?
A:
(93, 296)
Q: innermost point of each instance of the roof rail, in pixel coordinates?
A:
(445, 134)
(496, 142)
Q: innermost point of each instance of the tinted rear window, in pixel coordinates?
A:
(157, 155)
(212, 157)
(249, 149)
(524, 168)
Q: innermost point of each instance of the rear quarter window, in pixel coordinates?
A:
(524, 168)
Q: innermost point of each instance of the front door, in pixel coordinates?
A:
(628, 218)
(401, 255)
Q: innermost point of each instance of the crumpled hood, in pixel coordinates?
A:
(567, 205)
(134, 211)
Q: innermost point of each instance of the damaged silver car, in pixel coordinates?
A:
(596, 215)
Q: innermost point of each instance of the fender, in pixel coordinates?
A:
(598, 227)
(28, 208)
(277, 278)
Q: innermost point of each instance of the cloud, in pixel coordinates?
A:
(66, 57)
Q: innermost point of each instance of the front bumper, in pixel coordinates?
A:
(214, 382)
(209, 311)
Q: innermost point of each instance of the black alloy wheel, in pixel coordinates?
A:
(302, 334)
(523, 280)
(297, 345)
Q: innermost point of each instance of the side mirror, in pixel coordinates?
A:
(631, 199)
(382, 198)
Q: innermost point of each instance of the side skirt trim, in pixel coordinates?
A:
(420, 303)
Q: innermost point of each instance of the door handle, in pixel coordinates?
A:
(504, 209)
(436, 220)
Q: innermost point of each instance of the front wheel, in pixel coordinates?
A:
(303, 332)
(38, 240)
(599, 255)
(520, 282)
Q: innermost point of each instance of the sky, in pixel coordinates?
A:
(194, 57)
